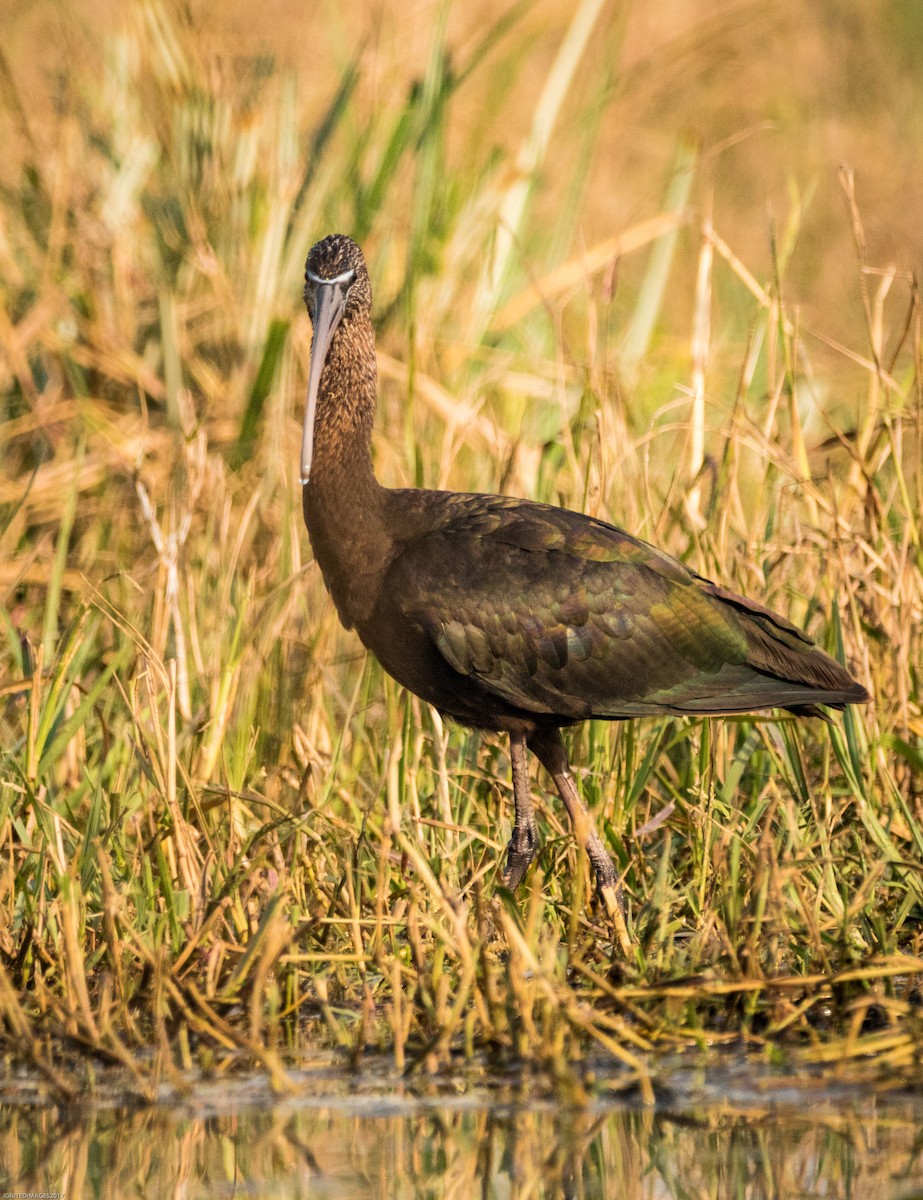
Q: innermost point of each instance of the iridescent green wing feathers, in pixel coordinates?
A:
(557, 613)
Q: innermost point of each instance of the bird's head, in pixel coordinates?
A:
(336, 287)
(335, 267)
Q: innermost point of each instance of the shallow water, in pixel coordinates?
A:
(735, 1131)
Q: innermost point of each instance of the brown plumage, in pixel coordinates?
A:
(516, 616)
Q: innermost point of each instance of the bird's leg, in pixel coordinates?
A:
(548, 747)
(521, 850)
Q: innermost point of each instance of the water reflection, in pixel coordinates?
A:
(236, 1143)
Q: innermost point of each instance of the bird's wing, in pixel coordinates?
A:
(561, 614)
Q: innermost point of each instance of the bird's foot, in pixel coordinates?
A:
(519, 855)
(610, 893)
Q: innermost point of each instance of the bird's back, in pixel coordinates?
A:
(503, 612)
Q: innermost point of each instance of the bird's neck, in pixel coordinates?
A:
(342, 500)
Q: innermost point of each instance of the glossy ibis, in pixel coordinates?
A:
(511, 615)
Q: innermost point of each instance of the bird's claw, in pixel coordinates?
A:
(519, 855)
(614, 903)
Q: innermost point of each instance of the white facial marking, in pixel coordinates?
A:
(344, 278)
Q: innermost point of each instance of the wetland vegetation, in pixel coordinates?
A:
(228, 840)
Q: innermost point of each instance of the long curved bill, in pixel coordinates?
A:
(329, 302)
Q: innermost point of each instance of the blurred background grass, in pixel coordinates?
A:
(655, 262)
